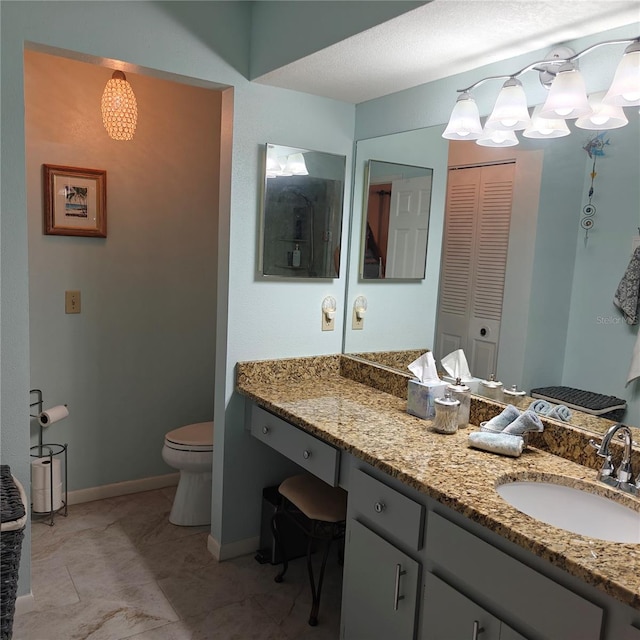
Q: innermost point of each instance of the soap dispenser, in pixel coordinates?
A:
(296, 256)
(461, 393)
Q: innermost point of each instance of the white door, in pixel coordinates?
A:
(408, 227)
(474, 261)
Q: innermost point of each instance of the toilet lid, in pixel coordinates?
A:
(196, 437)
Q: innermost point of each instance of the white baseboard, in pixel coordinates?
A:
(122, 488)
(24, 604)
(233, 549)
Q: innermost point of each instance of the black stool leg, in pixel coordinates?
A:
(316, 591)
(279, 545)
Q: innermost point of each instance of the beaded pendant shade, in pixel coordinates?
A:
(119, 108)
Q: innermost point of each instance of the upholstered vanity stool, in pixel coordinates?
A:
(325, 508)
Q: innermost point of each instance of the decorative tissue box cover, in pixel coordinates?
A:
(472, 383)
(420, 397)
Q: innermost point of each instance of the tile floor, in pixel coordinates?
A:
(117, 568)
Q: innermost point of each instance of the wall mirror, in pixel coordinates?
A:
(301, 216)
(395, 221)
(558, 322)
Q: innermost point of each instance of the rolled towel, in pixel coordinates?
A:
(500, 443)
(560, 412)
(528, 421)
(540, 406)
(499, 422)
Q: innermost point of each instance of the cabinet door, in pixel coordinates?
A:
(449, 615)
(507, 633)
(380, 588)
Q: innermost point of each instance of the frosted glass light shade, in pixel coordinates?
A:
(273, 168)
(497, 138)
(510, 112)
(603, 116)
(464, 123)
(545, 127)
(119, 108)
(567, 97)
(625, 88)
(295, 165)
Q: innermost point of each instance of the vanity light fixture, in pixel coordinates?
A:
(119, 108)
(510, 112)
(545, 127)
(291, 165)
(603, 115)
(497, 138)
(567, 99)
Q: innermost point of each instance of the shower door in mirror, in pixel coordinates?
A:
(301, 213)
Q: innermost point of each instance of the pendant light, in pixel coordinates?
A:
(119, 108)
(464, 123)
(603, 116)
(625, 88)
(510, 112)
(568, 95)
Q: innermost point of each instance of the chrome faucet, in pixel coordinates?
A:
(621, 478)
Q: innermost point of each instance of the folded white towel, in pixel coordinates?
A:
(528, 421)
(503, 419)
(500, 443)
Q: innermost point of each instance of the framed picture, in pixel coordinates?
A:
(75, 201)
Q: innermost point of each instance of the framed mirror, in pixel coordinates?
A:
(301, 217)
(395, 221)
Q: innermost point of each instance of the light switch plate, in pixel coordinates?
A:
(72, 302)
(357, 323)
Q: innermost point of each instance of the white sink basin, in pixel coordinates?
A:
(573, 509)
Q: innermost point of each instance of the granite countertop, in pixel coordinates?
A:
(374, 426)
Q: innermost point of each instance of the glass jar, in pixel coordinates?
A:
(462, 394)
(514, 396)
(491, 388)
(446, 420)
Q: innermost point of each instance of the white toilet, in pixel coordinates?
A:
(190, 450)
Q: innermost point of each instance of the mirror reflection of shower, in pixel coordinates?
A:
(301, 213)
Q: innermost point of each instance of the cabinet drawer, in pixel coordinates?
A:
(539, 603)
(313, 455)
(387, 510)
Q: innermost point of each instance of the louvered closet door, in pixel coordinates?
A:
(474, 260)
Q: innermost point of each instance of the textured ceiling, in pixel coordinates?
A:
(443, 38)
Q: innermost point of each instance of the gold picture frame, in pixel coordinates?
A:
(75, 201)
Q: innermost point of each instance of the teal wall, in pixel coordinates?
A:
(599, 342)
(256, 318)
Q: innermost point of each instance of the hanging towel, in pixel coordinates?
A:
(627, 296)
(634, 369)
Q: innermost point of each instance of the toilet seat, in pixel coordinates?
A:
(192, 437)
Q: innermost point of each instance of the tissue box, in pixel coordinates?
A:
(420, 397)
(472, 383)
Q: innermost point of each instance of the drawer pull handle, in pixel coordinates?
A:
(396, 592)
(265, 430)
(477, 630)
(379, 507)
(306, 454)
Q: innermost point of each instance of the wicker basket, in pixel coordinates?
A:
(12, 521)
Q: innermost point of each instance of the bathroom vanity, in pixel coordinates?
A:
(432, 551)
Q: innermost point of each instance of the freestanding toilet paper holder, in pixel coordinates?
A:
(48, 450)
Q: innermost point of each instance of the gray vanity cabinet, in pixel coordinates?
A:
(380, 588)
(449, 614)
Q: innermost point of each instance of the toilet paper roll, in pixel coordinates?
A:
(41, 499)
(59, 412)
(45, 472)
